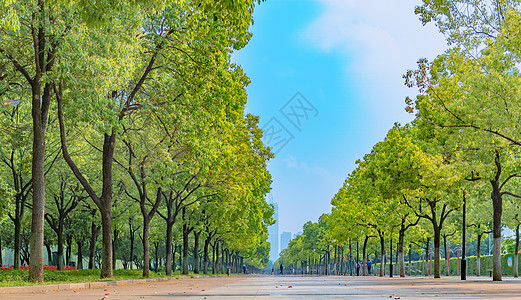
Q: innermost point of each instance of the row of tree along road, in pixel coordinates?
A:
(131, 125)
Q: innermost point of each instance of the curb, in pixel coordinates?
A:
(88, 285)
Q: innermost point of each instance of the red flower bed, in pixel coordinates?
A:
(45, 267)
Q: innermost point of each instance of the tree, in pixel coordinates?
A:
(65, 200)
(15, 157)
(389, 168)
(148, 207)
(458, 95)
(148, 50)
(33, 35)
(467, 24)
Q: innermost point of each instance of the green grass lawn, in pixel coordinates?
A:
(19, 277)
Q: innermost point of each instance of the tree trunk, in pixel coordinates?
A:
(185, 249)
(146, 248)
(382, 255)
(92, 246)
(206, 256)
(196, 252)
(222, 259)
(156, 244)
(17, 243)
(79, 262)
(233, 262)
(168, 249)
(401, 255)
(132, 238)
(364, 257)
(40, 109)
(59, 261)
(516, 254)
(478, 256)
(106, 249)
(114, 247)
(49, 254)
(496, 260)
(227, 259)
(498, 210)
(69, 251)
(214, 258)
(106, 205)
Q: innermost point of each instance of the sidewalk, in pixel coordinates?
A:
(88, 285)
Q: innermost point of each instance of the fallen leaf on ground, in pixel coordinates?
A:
(289, 287)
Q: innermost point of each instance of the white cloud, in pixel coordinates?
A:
(377, 33)
(380, 40)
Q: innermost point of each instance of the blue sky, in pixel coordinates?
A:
(346, 58)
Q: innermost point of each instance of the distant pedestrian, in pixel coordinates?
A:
(369, 264)
(272, 270)
(244, 269)
(281, 269)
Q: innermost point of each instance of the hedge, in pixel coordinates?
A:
(486, 263)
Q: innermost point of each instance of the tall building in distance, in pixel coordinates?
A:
(285, 237)
(273, 231)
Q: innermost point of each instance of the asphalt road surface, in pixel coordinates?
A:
(297, 287)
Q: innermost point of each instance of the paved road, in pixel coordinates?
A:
(296, 287)
(365, 288)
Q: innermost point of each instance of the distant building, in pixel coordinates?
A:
(273, 231)
(285, 237)
(298, 233)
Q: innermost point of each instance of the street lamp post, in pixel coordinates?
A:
(463, 259)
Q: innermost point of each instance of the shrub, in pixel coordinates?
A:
(45, 267)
